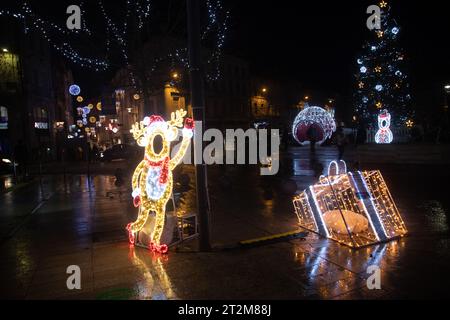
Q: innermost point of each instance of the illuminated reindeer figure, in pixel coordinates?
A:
(152, 180)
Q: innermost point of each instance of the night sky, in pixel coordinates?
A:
(316, 42)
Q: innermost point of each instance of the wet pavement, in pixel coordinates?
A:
(69, 220)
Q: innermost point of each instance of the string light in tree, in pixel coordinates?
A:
(140, 10)
(385, 78)
(50, 31)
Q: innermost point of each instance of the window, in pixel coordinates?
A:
(3, 118)
(40, 113)
(3, 114)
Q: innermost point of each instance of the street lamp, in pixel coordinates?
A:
(175, 75)
(264, 90)
(5, 50)
(447, 96)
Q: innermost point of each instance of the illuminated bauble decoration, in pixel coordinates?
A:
(92, 119)
(90, 106)
(384, 134)
(365, 99)
(313, 118)
(99, 106)
(74, 90)
(86, 110)
(398, 73)
(152, 180)
(373, 48)
(395, 30)
(84, 122)
(363, 69)
(379, 87)
(80, 99)
(360, 61)
(136, 97)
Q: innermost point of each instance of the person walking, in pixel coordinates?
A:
(20, 157)
(312, 135)
(341, 142)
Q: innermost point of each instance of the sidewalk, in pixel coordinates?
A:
(80, 225)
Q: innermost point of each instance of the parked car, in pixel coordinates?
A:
(6, 165)
(121, 152)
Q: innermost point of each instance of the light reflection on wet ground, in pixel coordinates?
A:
(82, 223)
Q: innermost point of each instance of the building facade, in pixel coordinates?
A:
(34, 105)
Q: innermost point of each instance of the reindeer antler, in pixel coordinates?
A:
(138, 131)
(176, 118)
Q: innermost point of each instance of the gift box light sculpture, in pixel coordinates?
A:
(152, 180)
(353, 208)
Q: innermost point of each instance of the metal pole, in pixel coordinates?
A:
(198, 102)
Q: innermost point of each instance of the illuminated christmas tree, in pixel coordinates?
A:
(381, 80)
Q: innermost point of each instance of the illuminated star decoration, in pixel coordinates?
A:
(378, 69)
(379, 105)
(361, 85)
(383, 4)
